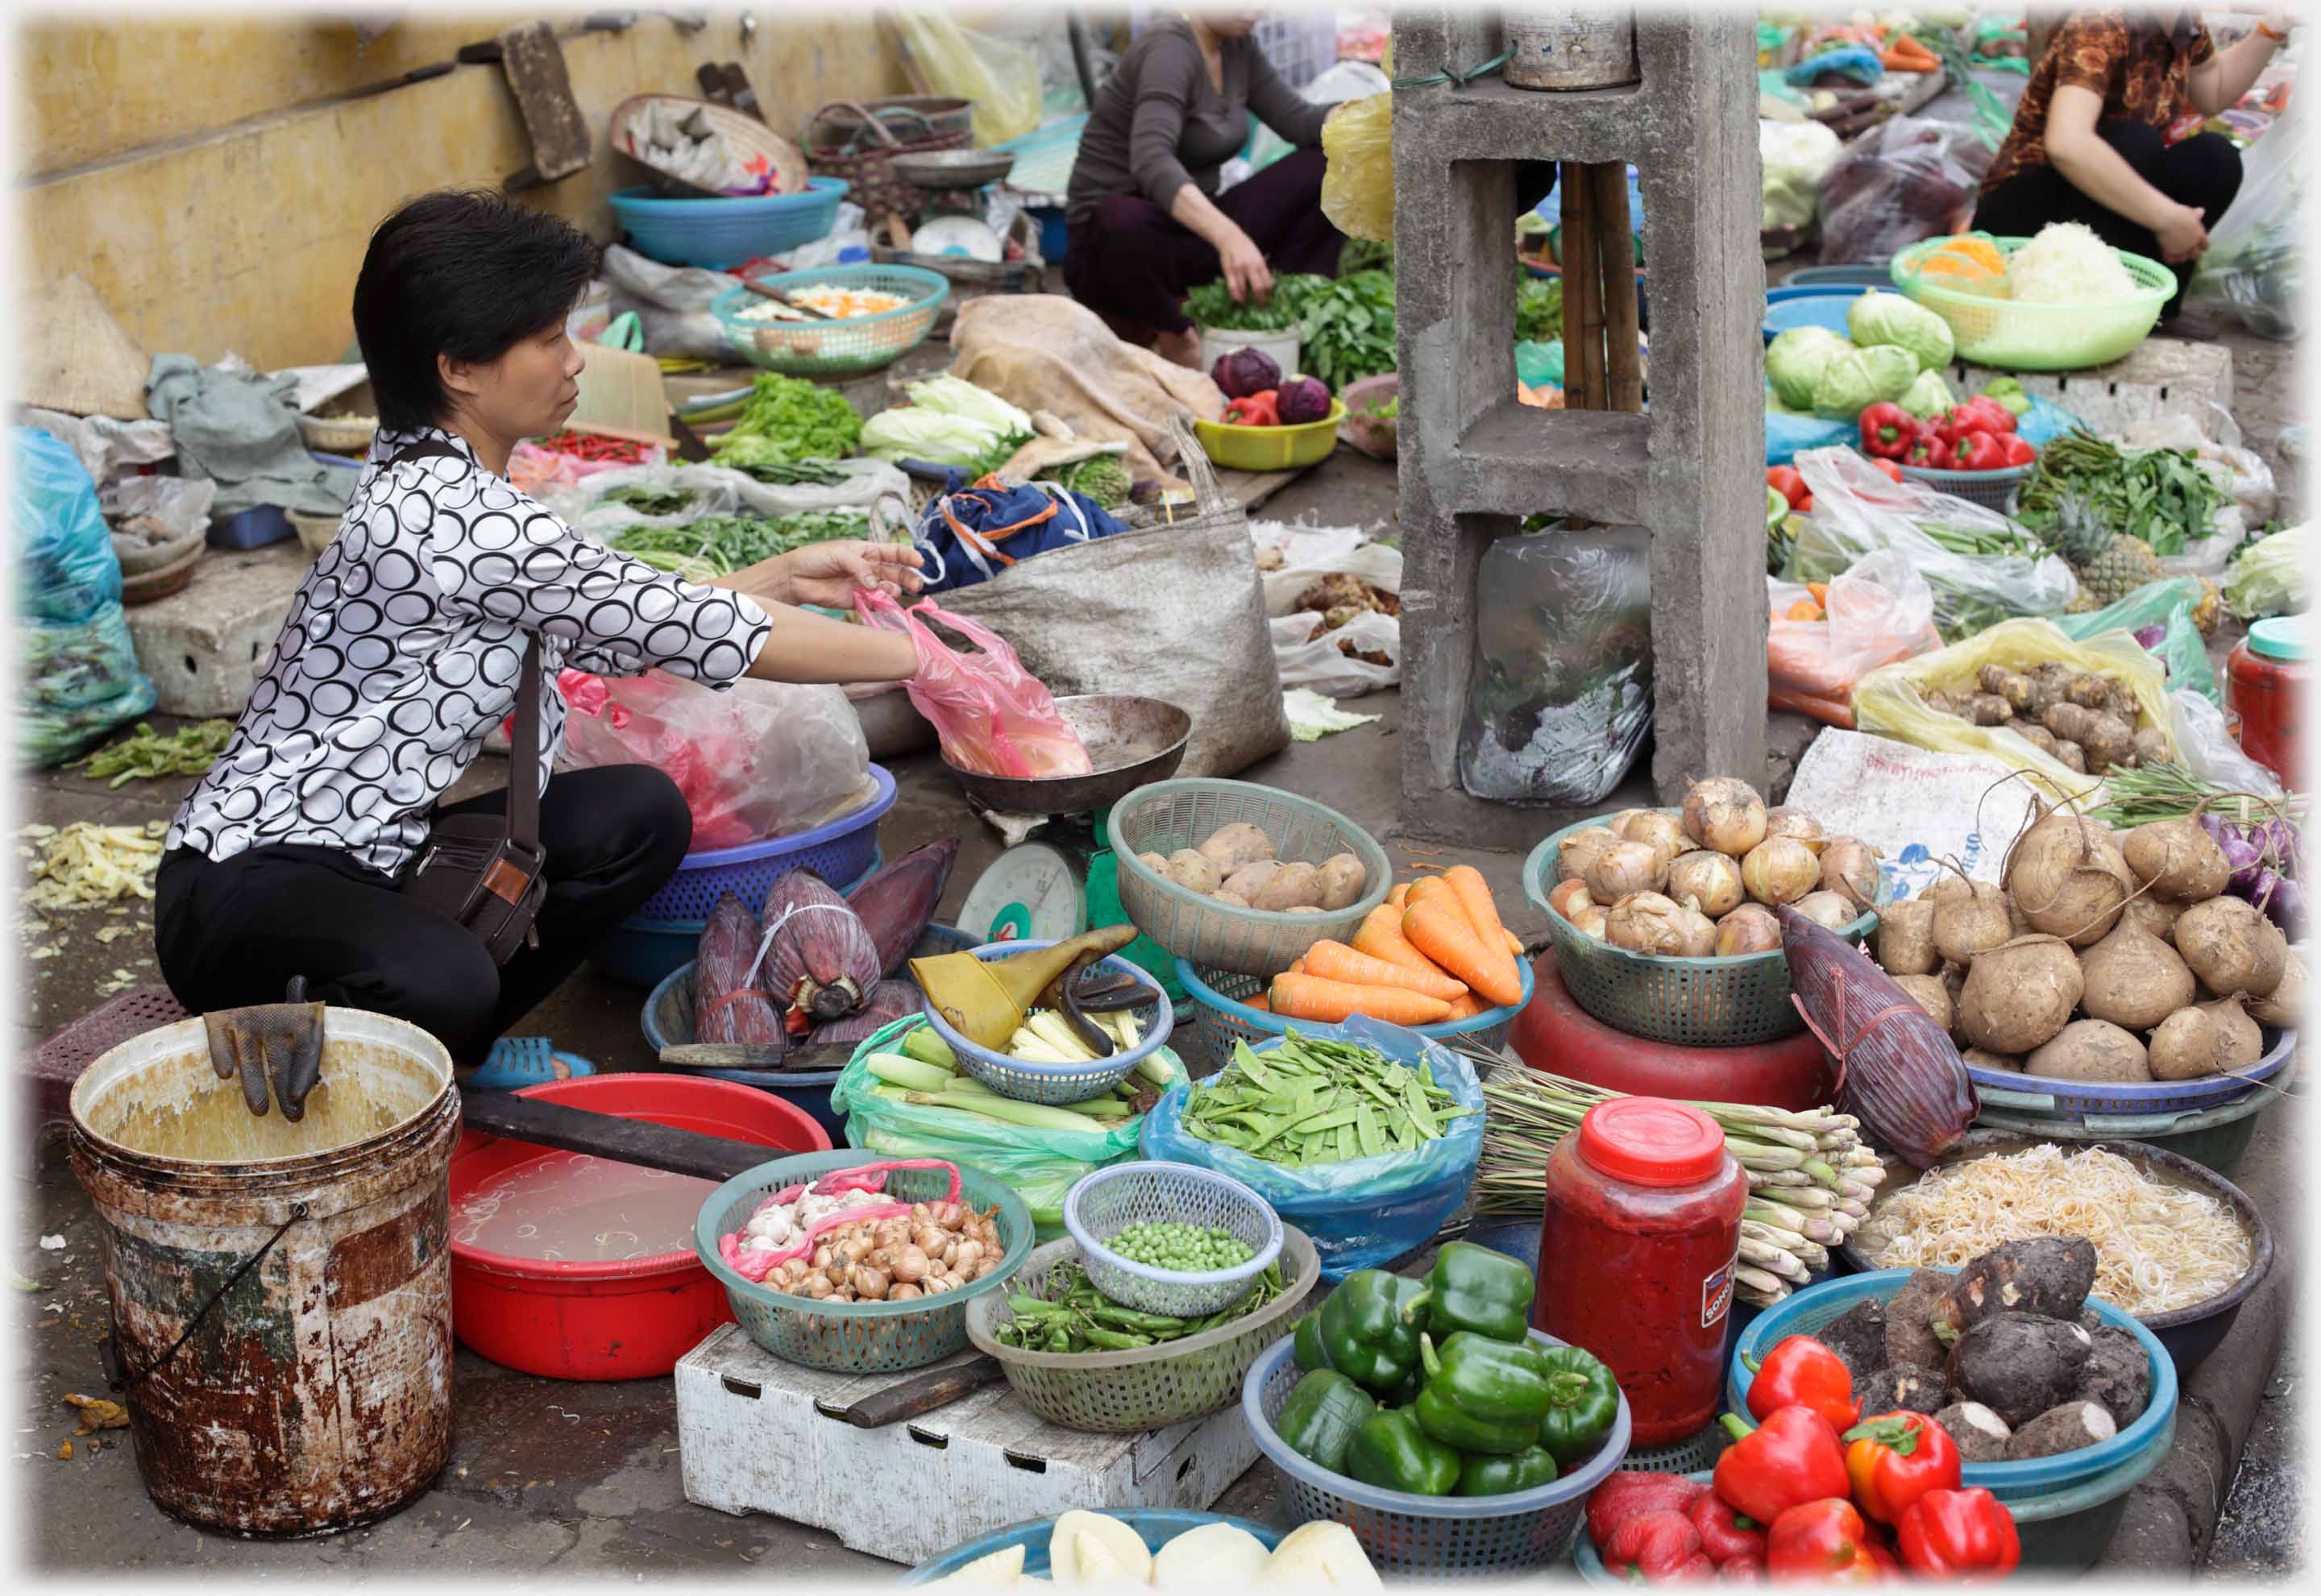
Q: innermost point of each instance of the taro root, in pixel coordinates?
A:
(2058, 1430)
(1901, 1388)
(2134, 979)
(1980, 1435)
(2118, 1376)
(2049, 1275)
(1858, 1336)
(2020, 1364)
(2019, 993)
(2067, 876)
(1910, 1314)
(2090, 1050)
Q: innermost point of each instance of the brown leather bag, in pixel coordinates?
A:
(485, 871)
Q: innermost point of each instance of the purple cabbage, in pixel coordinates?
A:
(2149, 637)
(1245, 372)
(1302, 399)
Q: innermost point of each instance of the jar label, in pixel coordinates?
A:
(1716, 1291)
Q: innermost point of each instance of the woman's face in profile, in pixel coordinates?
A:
(531, 390)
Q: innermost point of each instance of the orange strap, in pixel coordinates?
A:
(981, 541)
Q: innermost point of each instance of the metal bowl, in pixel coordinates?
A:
(1131, 741)
(954, 168)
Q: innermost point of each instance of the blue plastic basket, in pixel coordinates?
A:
(1106, 1202)
(855, 1338)
(645, 952)
(1056, 1084)
(839, 852)
(1220, 1017)
(2092, 1102)
(1816, 1306)
(1428, 1537)
(1157, 1526)
(844, 348)
(720, 233)
(1815, 307)
(1873, 275)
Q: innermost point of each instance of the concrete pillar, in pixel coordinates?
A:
(1474, 461)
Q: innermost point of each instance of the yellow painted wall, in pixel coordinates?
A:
(215, 186)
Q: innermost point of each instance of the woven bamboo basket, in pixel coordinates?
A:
(339, 434)
(746, 134)
(865, 158)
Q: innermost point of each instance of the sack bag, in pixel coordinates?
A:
(1040, 1165)
(992, 716)
(1879, 612)
(1329, 661)
(758, 760)
(81, 672)
(1360, 1212)
(1357, 176)
(672, 303)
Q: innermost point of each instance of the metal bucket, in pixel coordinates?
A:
(317, 1393)
(1570, 47)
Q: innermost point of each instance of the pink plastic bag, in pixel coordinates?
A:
(993, 716)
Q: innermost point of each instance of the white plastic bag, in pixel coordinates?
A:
(671, 303)
(1796, 156)
(1879, 611)
(2206, 746)
(719, 490)
(106, 447)
(2255, 268)
(150, 512)
(1328, 663)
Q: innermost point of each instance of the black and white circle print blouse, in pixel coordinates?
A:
(404, 646)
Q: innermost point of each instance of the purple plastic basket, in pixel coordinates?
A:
(838, 852)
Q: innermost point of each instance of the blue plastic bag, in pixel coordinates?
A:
(1364, 1212)
(79, 671)
(69, 571)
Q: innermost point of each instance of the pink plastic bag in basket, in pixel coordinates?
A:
(993, 716)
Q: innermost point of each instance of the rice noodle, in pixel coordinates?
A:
(2158, 1246)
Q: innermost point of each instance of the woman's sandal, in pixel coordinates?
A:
(526, 1061)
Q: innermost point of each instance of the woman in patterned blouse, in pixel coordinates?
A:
(2090, 140)
(403, 651)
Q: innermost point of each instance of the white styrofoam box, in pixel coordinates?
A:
(204, 644)
(2161, 376)
(757, 1434)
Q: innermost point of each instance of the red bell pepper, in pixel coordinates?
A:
(1726, 1532)
(1989, 414)
(1961, 1533)
(1653, 1545)
(1825, 1541)
(1802, 1373)
(1254, 410)
(1742, 1570)
(1896, 1459)
(1978, 451)
(1929, 452)
(1888, 1566)
(1886, 429)
(1893, 471)
(1784, 481)
(2018, 450)
(1629, 1493)
(1794, 1457)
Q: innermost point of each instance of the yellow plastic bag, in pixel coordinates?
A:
(1889, 700)
(1358, 182)
(1000, 77)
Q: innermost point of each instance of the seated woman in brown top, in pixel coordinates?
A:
(2089, 140)
(1146, 220)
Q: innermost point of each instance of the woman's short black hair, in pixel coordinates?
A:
(465, 273)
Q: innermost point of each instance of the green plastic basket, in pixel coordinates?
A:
(1218, 1003)
(1166, 816)
(856, 1337)
(847, 348)
(2014, 335)
(1147, 1387)
(1694, 1002)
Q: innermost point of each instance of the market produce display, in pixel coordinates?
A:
(1239, 864)
(839, 1238)
(1924, 430)
(925, 1074)
(2262, 838)
(1345, 324)
(2092, 723)
(2113, 512)
(713, 546)
(1098, 1552)
(1069, 1314)
(1312, 1102)
(147, 754)
(948, 423)
(789, 419)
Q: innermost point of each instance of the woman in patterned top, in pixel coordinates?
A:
(2090, 140)
(403, 651)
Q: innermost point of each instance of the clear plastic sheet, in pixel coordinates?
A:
(1903, 181)
(2254, 269)
(1879, 612)
(1562, 686)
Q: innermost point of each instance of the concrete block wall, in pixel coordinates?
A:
(1473, 461)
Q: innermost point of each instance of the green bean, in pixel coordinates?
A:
(1313, 1101)
(1071, 1316)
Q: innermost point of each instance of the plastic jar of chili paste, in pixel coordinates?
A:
(2267, 680)
(1637, 1254)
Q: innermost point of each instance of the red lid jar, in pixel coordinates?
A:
(1637, 1254)
(2266, 681)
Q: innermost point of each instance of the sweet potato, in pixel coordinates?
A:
(2060, 1430)
(2019, 1365)
(1343, 881)
(1980, 1435)
(2048, 1276)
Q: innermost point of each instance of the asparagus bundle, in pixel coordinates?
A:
(1811, 1177)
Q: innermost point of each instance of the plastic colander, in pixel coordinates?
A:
(2032, 335)
(1101, 1205)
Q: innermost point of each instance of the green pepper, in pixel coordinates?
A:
(1484, 1475)
(1583, 1399)
(1473, 1289)
(1481, 1395)
(2008, 392)
(1310, 1354)
(1390, 1452)
(1323, 1411)
(1363, 1332)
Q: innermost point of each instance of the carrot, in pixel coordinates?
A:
(1474, 895)
(1334, 961)
(1802, 610)
(1400, 896)
(1297, 968)
(1442, 934)
(1464, 1008)
(1259, 1003)
(1515, 946)
(1820, 591)
(1381, 938)
(1427, 888)
(1309, 997)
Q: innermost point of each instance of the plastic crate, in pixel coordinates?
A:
(1108, 1201)
(1217, 1001)
(2031, 335)
(846, 348)
(839, 851)
(257, 527)
(722, 233)
(1058, 1084)
(1425, 1537)
(1993, 490)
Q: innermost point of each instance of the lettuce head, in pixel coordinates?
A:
(1794, 362)
(1860, 377)
(1903, 324)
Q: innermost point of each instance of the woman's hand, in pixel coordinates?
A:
(827, 574)
(1247, 276)
(2183, 235)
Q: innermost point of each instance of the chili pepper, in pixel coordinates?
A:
(1793, 1457)
(1254, 410)
(1740, 1571)
(1800, 1372)
(1583, 1402)
(2018, 449)
(1486, 1475)
(1823, 1540)
(1480, 1395)
(1473, 1289)
(1893, 471)
(1310, 1354)
(1652, 1546)
(1323, 1411)
(1363, 1330)
(1928, 452)
(1958, 1533)
(1390, 1452)
(1896, 1459)
(1886, 429)
(1726, 1532)
(1784, 481)
(1626, 1493)
(1978, 451)
(2007, 391)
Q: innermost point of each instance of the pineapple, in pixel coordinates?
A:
(2110, 564)
(2210, 609)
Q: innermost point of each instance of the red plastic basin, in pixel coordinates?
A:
(631, 1318)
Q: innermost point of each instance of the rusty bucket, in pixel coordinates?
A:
(281, 1293)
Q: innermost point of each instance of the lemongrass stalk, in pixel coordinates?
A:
(1759, 1155)
(1775, 1179)
(1771, 1234)
(1773, 1260)
(1770, 1287)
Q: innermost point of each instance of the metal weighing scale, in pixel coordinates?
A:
(952, 224)
(1068, 881)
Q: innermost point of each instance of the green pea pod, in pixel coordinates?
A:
(1583, 1401)
(1319, 1420)
(1391, 1452)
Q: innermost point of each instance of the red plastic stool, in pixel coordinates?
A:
(1555, 1034)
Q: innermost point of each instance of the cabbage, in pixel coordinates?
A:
(953, 396)
(1927, 397)
(1858, 378)
(1890, 318)
(1245, 372)
(1300, 400)
(922, 432)
(1794, 362)
(2270, 578)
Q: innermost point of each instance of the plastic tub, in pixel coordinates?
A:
(839, 850)
(848, 347)
(2017, 335)
(631, 1318)
(1424, 1536)
(2012, 1092)
(1876, 275)
(1157, 1526)
(257, 527)
(645, 952)
(1376, 436)
(1814, 307)
(722, 234)
(1281, 347)
(1272, 448)
(1221, 1015)
(1058, 1084)
(1102, 1204)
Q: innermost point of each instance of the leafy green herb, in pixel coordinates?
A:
(2162, 495)
(651, 501)
(1346, 326)
(789, 419)
(795, 473)
(1539, 310)
(1212, 306)
(146, 754)
(723, 544)
(1103, 478)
